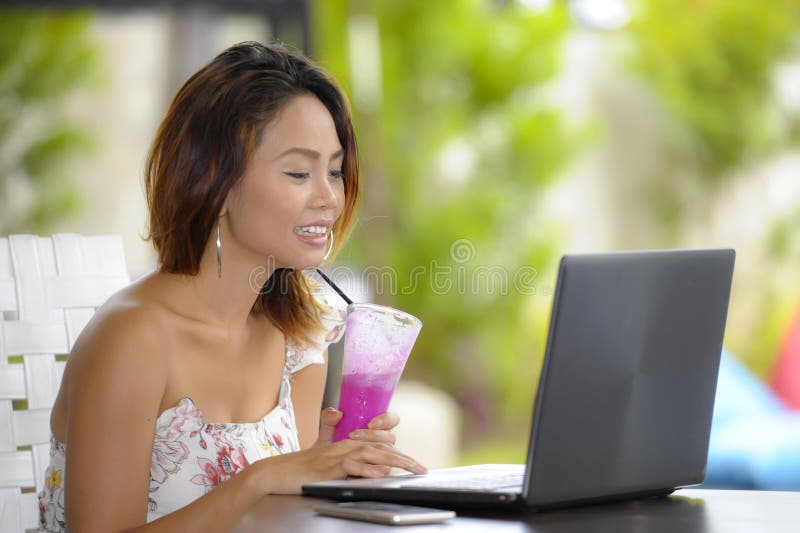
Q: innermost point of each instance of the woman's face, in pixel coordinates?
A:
(292, 190)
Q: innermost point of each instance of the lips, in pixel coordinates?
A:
(314, 233)
(311, 230)
(320, 223)
(313, 240)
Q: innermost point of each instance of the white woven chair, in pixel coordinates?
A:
(49, 289)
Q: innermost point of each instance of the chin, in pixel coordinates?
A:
(301, 263)
(308, 265)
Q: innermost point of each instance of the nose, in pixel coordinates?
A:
(324, 194)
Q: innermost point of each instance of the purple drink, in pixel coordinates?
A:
(377, 343)
(362, 398)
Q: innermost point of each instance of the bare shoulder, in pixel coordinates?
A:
(128, 334)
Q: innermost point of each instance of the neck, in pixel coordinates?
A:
(224, 302)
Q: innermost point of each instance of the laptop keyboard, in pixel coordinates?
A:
(468, 483)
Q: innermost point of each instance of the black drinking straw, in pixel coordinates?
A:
(335, 287)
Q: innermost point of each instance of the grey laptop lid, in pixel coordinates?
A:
(628, 381)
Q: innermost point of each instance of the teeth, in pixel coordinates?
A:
(312, 230)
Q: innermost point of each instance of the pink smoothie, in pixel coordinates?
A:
(362, 398)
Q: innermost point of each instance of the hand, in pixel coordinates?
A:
(379, 428)
(285, 474)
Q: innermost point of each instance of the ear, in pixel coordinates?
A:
(223, 212)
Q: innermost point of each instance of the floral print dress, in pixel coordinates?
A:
(191, 457)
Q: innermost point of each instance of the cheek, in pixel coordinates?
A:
(263, 205)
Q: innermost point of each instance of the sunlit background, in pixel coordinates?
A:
(494, 137)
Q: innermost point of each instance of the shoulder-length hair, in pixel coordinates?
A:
(212, 128)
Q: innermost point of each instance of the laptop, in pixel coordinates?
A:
(625, 395)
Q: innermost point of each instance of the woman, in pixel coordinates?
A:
(159, 423)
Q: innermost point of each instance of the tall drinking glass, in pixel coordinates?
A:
(377, 343)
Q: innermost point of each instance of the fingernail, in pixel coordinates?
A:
(355, 435)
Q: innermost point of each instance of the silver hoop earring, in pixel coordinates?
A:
(219, 252)
(330, 248)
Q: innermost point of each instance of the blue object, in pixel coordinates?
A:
(740, 394)
(755, 439)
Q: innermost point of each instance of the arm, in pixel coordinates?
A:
(115, 380)
(308, 386)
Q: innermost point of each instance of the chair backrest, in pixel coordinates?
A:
(49, 289)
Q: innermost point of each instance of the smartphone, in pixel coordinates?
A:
(385, 513)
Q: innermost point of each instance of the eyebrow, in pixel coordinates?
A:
(308, 152)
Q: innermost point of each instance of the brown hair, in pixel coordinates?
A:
(212, 128)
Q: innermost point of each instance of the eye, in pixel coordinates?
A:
(298, 175)
(336, 174)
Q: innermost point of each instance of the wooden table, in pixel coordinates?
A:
(686, 511)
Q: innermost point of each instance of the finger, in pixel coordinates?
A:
(353, 467)
(347, 446)
(391, 449)
(373, 435)
(330, 416)
(328, 419)
(384, 421)
(385, 456)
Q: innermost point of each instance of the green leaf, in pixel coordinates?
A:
(48, 153)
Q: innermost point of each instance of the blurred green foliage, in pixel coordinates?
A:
(43, 58)
(711, 65)
(463, 150)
